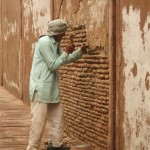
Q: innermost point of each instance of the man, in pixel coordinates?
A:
(44, 90)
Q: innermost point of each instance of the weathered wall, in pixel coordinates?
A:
(11, 51)
(22, 23)
(135, 75)
(84, 85)
(35, 15)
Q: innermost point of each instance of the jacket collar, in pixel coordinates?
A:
(53, 40)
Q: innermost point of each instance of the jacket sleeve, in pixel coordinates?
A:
(77, 54)
(48, 52)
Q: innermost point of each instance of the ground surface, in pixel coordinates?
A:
(15, 123)
(15, 120)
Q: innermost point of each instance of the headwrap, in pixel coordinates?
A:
(56, 27)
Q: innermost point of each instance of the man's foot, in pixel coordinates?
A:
(50, 147)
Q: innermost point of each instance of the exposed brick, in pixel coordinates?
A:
(84, 87)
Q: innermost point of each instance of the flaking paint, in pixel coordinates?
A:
(39, 13)
(136, 45)
(11, 28)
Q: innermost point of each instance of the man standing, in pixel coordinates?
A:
(44, 89)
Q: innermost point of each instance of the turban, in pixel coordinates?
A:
(56, 27)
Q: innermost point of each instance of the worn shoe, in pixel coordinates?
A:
(50, 147)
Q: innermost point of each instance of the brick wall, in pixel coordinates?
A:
(84, 87)
(84, 84)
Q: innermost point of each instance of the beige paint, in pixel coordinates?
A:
(39, 13)
(136, 54)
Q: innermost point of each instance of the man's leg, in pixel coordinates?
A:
(39, 116)
(56, 118)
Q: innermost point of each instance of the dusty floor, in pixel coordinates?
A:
(15, 122)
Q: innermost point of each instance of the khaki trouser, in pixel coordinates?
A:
(40, 113)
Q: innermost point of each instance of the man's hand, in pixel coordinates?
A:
(84, 48)
(70, 48)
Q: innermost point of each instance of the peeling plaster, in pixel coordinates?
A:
(136, 53)
(36, 15)
(11, 28)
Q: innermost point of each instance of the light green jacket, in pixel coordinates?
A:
(47, 59)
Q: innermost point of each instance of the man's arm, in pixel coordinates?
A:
(47, 51)
(77, 54)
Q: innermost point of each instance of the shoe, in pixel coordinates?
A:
(50, 147)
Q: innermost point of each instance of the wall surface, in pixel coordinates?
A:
(21, 24)
(35, 15)
(135, 75)
(11, 52)
(84, 85)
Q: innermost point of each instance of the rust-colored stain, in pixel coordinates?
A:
(134, 70)
(147, 81)
(143, 97)
(148, 120)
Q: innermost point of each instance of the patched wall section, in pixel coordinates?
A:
(84, 85)
(136, 74)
